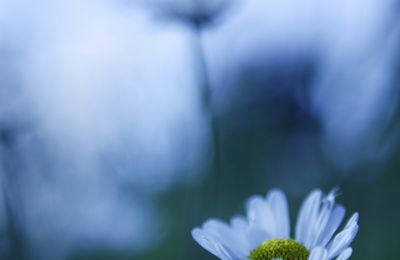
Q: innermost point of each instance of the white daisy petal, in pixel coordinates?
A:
(323, 219)
(232, 239)
(334, 221)
(342, 241)
(260, 215)
(247, 239)
(352, 221)
(212, 245)
(307, 217)
(344, 238)
(252, 208)
(278, 203)
(239, 222)
(345, 254)
(318, 253)
(256, 237)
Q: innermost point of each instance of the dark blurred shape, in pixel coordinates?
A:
(196, 13)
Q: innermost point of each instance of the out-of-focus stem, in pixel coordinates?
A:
(14, 235)
(214, 166)
(209, 110)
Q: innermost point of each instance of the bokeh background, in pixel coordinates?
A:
(126, 123)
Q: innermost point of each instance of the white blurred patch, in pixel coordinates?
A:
(355, 45)
(114, 115)
(354, 93)
(124, 82)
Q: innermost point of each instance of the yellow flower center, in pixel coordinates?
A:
(287, 249)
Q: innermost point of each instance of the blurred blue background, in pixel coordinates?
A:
(126, 123)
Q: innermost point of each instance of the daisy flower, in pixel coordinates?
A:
(264, 234)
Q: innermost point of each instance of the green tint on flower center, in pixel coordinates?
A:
(287, 249)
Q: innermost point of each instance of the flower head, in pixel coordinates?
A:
(264, 234)
(194, 12)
